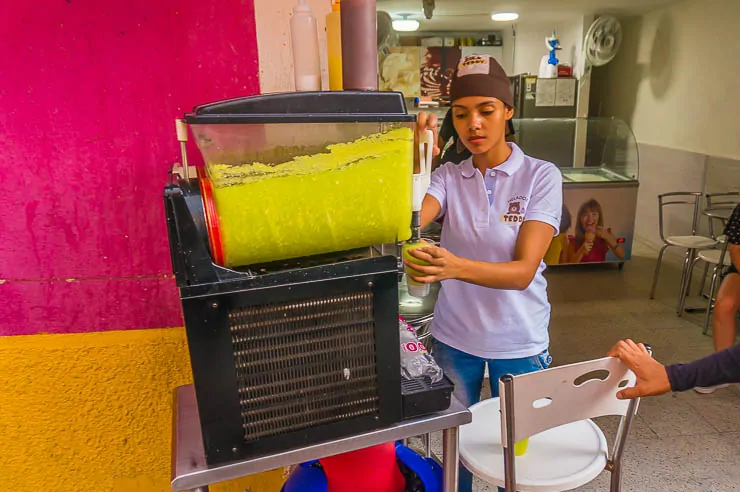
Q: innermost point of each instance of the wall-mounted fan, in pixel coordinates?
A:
(601, 44)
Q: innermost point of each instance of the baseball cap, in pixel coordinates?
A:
(481, 75)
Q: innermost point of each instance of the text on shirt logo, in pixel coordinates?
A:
(512, 218)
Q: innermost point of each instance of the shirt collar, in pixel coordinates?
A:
(508, 167)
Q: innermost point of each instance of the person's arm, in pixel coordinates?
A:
(435, 200)
(611, 241)
(535, 234)
(719, 368)
(531, 246)
(430, 210)
(653, 378)
(734, 250)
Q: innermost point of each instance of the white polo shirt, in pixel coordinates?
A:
(482, 221)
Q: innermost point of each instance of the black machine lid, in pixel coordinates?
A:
(305, 107)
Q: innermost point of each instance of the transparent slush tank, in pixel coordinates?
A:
(285, 190)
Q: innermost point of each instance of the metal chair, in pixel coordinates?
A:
(691, 243)
(715, 257)
(719, 208)
(552, 410)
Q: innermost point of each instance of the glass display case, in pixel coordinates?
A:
(606, 147)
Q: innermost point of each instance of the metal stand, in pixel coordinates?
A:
(191, 473)
(450, 458)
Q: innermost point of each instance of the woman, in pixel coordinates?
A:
(592, 242)
(502, 208)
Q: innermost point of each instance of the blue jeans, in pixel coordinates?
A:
(466, 372)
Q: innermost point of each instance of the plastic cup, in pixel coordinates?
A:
(416, 289)
(520, 448)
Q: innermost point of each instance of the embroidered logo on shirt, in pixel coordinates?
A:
(515, 213)
(515, 208)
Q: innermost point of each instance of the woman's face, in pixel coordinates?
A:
(480, 122)
(589, 220)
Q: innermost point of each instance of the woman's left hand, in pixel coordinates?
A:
(443, 265)
(606, 235)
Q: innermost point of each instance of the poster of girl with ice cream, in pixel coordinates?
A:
(592, 241)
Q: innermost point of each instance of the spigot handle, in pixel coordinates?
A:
(421, 180)
(181, 128)
(425, 156)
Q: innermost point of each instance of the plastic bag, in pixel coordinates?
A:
(415, 359)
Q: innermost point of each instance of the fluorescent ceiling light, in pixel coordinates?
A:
(405, 25)
(504, 16)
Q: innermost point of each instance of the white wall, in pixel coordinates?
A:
(677, 79)
(273, 39)
(529, 44)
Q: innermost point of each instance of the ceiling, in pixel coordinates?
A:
(474, 15)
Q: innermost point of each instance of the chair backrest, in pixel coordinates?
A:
(726, 201)
(546, 399)
(683, 198)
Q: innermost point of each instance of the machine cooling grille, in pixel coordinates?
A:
(306, 363)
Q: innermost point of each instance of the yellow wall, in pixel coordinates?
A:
(92, 412)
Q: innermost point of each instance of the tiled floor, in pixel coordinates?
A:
(680, 442)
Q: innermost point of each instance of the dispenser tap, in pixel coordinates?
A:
(181, 128)
(421, 182)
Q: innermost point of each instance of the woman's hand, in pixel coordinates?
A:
(606, 235)
(611, 240)
(427, 121)
(586, 247)
(443, 265)
(652, 377)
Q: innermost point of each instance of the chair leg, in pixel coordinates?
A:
(684, 280)
(657, 271)
(689, 277)
(710, 301)
(704, 279)
(615, 485)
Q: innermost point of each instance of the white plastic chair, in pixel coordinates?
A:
(691, 243)
(553, 409)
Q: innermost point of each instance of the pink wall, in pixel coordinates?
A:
(88, 96)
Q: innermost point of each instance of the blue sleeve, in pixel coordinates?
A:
(546, 203)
